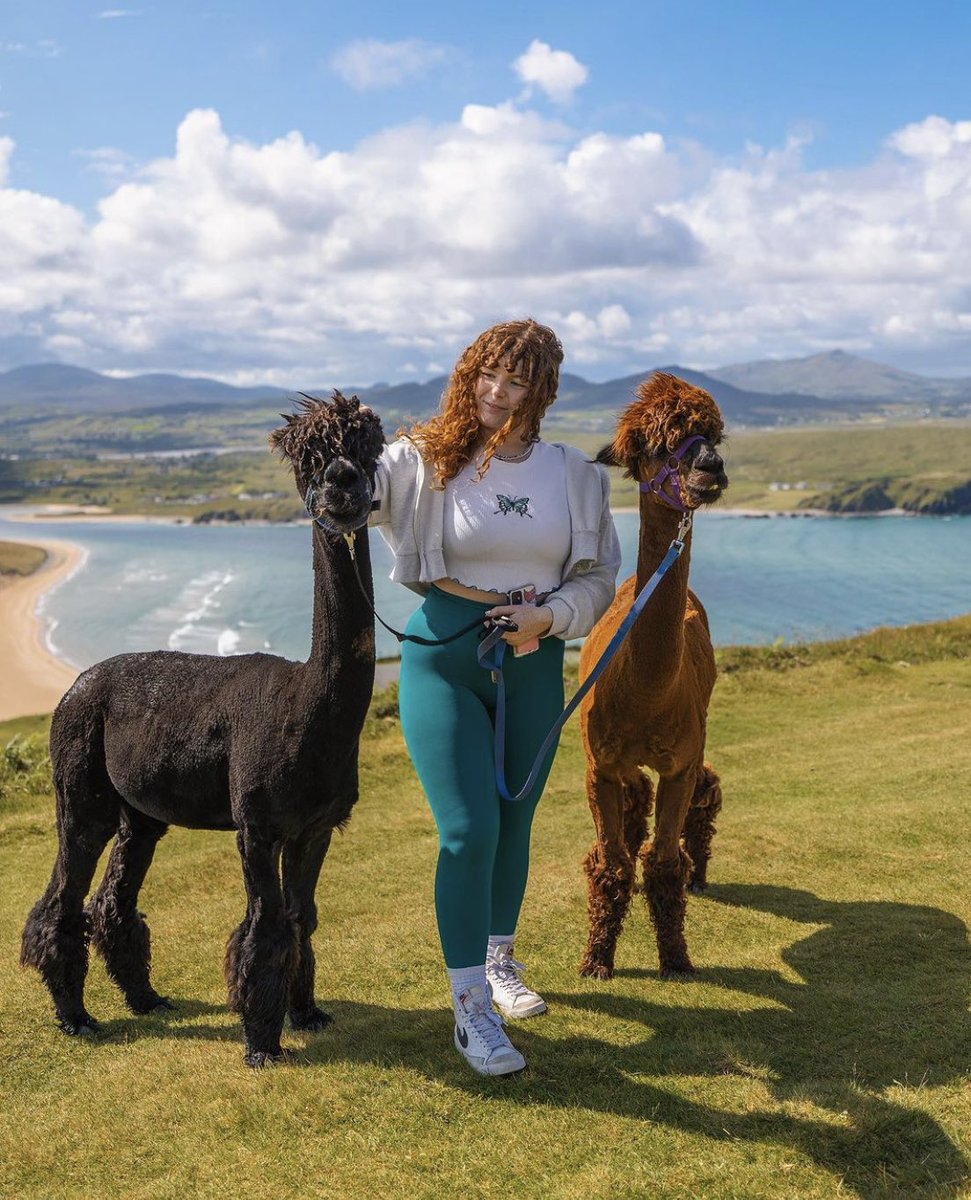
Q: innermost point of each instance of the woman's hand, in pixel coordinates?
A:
(533, 621)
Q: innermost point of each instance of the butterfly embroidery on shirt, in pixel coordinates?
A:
(511, 504)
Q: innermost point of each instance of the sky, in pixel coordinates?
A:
(311, 194)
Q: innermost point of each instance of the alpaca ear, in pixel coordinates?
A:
(280, 439)
(607, 456)
(627, 447)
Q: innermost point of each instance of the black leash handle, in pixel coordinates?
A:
(403, 637)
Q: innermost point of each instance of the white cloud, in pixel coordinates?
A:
(369, 64)
(6, 150)
(45, 48)
(293, 263)
(109, 161)
(114, 14)
(556, 72)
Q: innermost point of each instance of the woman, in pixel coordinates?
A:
(486, 519)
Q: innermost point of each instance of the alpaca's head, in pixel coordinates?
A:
(667, 412)
(332, 446)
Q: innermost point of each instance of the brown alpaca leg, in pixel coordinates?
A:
(638, 806)
(118, 930)
(610, 876)
(666, 870)
(302, 861)
(699, 827)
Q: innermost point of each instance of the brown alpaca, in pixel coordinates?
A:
(649, 707)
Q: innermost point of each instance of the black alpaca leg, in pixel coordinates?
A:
(301, 869)
(55, 938)
(118, 930)
(233, 961)
(261, 952)
(699, 826)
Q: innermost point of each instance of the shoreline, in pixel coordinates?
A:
(34, 678)
(37, 514)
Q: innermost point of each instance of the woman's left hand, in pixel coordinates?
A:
(533, 621)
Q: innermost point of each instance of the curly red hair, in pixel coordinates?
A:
(449, 439)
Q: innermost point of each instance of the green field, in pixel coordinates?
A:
(917, 465)
(781, 470)
(17, 558)
(823, 1049)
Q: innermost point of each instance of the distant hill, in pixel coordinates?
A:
(841, 376)
(739, 405)
(57, 409)
(55, 388)
(74, 389)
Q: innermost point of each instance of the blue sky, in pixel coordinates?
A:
(261, 192)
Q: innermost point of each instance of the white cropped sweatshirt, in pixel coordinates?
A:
(409, 514)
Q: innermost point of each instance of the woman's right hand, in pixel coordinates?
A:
(532, 621)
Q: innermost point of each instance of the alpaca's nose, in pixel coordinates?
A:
(341, 473)
(709, 461)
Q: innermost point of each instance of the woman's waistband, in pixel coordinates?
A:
(490, 599)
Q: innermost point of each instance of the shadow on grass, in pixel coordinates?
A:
(882, 998)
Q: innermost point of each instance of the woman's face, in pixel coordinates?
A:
(499, 391)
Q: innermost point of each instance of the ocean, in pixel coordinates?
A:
(231, 589)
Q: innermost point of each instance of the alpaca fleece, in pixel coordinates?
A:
(252, 743)
(649, 707)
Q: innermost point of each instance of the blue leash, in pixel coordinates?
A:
(493, 642)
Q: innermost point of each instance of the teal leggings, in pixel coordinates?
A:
(448, 705)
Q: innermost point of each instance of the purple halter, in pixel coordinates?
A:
(670, 471)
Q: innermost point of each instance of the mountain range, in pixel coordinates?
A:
(820, 387)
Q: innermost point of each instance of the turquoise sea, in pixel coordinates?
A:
(230, 589)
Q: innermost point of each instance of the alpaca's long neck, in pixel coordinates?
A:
(340, 669)
(657, 638)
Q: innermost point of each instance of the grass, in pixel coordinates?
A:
(17, 558)
(822, 1050)
(781, 470)
(770, 470)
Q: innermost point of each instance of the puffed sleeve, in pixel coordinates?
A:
(381, 501)
(585, 594)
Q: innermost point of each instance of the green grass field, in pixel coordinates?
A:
(917, 457)
(823, 1049)
(17, 558)
(925, 458)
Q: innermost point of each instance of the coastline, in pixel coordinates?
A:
(37, 514)
(33, 679)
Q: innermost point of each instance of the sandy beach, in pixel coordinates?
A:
(32, 680)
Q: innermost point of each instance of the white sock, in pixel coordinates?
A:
(462, 978)
(501, 939)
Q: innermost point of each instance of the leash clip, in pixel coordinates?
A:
(683, 528)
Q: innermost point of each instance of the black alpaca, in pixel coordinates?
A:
(254, 743)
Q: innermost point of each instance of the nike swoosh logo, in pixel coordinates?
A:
(463, 1038)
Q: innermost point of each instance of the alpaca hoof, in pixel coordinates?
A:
(311, 1021)
(683, 967)
(697, 886)
(151, 1004)
(596, 970)
(258, 1059)
(83, 1025)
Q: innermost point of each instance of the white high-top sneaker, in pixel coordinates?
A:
(509, 994)
(479, 1036)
